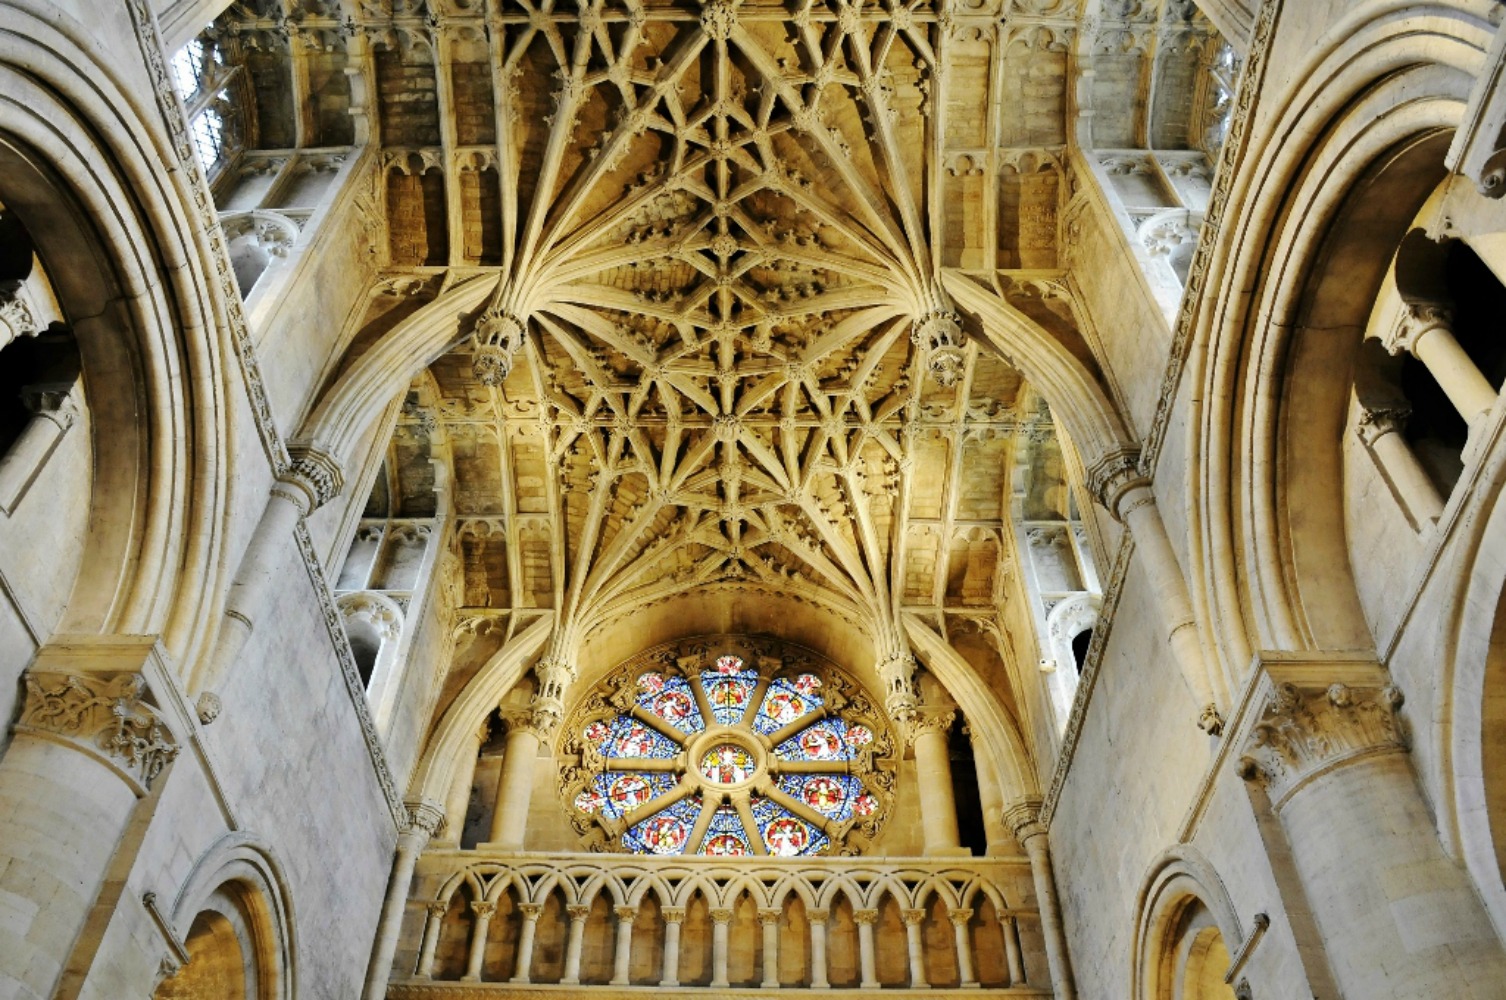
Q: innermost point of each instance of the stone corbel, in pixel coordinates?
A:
(1303, 720)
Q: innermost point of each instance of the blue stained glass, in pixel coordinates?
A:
(620, 792)
(672, 700)
(725, 835)
(631, 738)
(831, 795)
(784, 704)
(665, 832)
(785, 834)
(826, 740)
(729, 694)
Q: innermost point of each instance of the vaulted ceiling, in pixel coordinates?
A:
(717, 349)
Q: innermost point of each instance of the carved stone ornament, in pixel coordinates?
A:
(718, 18)
(498, 337)
(939, 334)
(1376, 422)
(926, 723)
(208, 707)
(105, 715)
(1420, 319)
(17, 319)
(1112, 476)
(316, 476)
(1304, 732)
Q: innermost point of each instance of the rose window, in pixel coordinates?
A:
(749, 748)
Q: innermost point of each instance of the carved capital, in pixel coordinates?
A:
(17, 317)
(767, 917)
(673, 914)
(1304, 730)
(818, 916)
(530, 911)
(424, 816)
(578, 912)
(484, 909)
(1377, 422)
(1112, 476)
(1024, 820)
(721, 915)
(912, 917)
(106, 716)
(929, 723)
(437, 910)
(960, 916)
(1419, 319)
(312, 479)
(865, 917)
(53, 401)
(626, 913)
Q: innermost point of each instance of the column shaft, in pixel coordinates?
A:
(933, 768)
(482, 926)
(514, 789)
(671, 976)
(573, 943)
(1457, 375)
(1407, 475)
(423, 817)
(720, 919)
(431, 940)
(524, 965)
(1012, 951)
(913, 919)
(818, 949)
(458, 801)
(770, 921)
(965, 972)
(867, 960)
(622, 958)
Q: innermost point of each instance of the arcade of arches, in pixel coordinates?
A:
(582, 497)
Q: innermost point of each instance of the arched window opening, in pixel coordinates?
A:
(1080, 643)
(966, 795)
(217, 965)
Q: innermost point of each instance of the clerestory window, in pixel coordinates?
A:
(731, 760)
(209, 90)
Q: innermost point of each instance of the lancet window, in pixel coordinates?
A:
(726, 754)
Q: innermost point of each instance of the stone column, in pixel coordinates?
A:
(96, 732)
(818, 920)
(1024, 819)
(933, 770)
(1323, 747)
(991, 798)
(720, 918)
(674, 916)
(313, 478)
(458, 802)
(622, 958)
(524, 966)
(484, 911)
(578, 915)
(1427, 333)
(1380, 430)
(423, 817)
(525, 732)
(867, 958)
(1012, 956)
(965, 972)
(431, 939)
(769, 921)
(1116, 481)
(913, 919)
(54, 408)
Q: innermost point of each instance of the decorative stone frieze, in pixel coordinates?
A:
(104, 715)
(1304, 730)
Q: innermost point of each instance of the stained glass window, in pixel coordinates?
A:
(726, 760)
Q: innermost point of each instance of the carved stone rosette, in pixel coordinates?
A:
(1304, 731)
(104, 715)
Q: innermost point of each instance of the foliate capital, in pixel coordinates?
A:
(1304, 730)
(673, 914)
(540, 718)
(924, 723)
(106, 716)
(1112, 476)
(1377, 422)
(861, 917)
(312, 479)
(424, 816)
(1418, 319)
(497, 339)
(1024, 820)
(53, 401)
